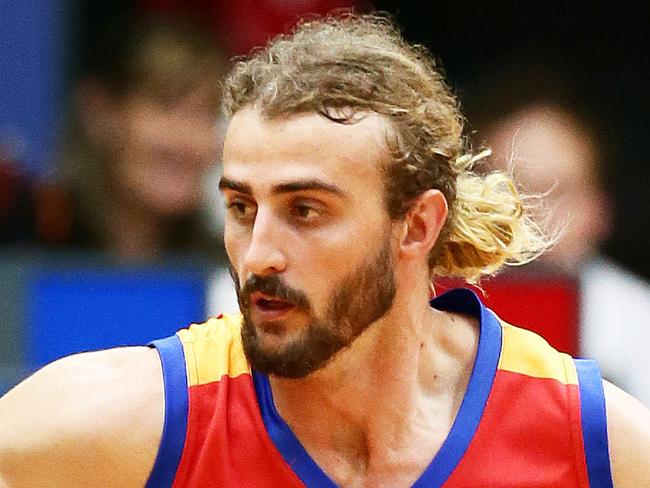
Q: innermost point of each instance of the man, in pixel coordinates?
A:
(347, 189)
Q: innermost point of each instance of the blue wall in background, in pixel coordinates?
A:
(31, 77)
(71, 310)
(56, 304)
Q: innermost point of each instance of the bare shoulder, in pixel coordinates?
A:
(92, 419)
(628, 429)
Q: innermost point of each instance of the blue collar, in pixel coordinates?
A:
(462, 431)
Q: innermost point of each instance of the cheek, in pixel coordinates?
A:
(236, 243)
(324, 261)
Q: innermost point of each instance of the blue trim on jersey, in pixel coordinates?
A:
(285, 440)
(176, 408)
(478, 390)
(469, 414)
(594, 423)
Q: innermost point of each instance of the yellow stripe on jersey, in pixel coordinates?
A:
(527, 353)
(213, 350)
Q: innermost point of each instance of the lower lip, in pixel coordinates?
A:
(269, 315)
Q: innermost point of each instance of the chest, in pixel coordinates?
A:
(521, 439)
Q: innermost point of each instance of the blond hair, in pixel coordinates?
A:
(350, 64)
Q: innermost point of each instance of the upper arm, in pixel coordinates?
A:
(87, 420)
(628, 430)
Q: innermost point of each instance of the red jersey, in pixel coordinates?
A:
(531, 416)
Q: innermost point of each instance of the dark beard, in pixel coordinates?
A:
(360, 299)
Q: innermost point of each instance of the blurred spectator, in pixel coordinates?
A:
(538, 131)
(142, 135)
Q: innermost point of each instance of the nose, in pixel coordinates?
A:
(266, 252)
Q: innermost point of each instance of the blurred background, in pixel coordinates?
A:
(110, 135)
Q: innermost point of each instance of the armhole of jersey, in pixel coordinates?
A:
(176, 408)
(594, 424)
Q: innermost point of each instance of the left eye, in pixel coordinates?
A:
(305, 212)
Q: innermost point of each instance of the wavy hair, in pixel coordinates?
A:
(343, 66)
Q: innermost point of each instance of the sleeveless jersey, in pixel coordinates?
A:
(531, 416)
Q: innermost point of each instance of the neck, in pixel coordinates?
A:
(384, 405)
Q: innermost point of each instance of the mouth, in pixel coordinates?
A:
(270, 308)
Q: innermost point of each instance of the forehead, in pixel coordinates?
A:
(262, 151)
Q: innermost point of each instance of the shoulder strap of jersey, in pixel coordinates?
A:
(170, 451)
(594, 423)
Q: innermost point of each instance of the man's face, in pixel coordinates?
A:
(307, 234)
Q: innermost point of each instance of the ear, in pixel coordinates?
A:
(422, 224)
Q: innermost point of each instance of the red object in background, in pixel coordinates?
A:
(547, 305)
(10, 185)
(244, 24)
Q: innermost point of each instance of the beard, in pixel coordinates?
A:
(357, 301)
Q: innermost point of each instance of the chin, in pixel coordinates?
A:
(277, 337)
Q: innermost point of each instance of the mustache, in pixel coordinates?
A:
(272, 286)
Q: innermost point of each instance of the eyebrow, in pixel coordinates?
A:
(290, 187)
(229, 184)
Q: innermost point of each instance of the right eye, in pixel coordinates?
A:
(241, 210)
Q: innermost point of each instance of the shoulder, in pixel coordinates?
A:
(224, 328)
(213, 349)
(527, 353)
(88, 417)
(628, 430)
